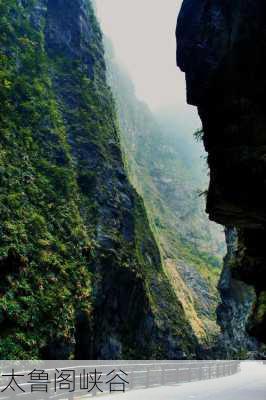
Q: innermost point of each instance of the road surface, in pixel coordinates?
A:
(248, 384)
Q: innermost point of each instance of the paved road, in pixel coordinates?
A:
(249, 384)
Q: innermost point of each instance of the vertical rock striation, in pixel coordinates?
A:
(221, 46)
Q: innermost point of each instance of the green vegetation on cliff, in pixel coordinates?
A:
(163, 171)
(81, 274)
(43, 271)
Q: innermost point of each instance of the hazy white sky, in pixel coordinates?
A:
(143, 35)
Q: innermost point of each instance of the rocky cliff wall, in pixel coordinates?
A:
(162, 169)
(221, 47)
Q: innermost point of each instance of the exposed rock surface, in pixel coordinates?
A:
(221, 46)
(238, 300)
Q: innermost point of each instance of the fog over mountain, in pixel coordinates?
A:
(164, 162)
(143, 36)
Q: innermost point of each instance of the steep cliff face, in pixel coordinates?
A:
(162, 169)
(221, 48)
(79, 265)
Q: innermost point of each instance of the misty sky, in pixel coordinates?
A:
(143, 36)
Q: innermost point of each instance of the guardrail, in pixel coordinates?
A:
(137, 375)
(181, 372)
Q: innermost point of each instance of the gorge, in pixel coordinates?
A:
(106, 251)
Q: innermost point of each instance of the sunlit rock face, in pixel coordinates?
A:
(221, 46)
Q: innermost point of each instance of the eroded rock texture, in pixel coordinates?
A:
(222, 49)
